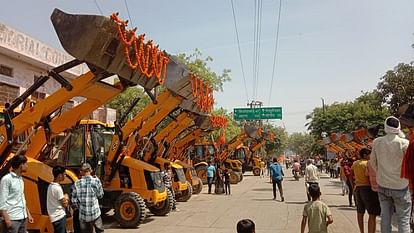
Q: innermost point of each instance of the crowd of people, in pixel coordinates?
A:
(377, 181)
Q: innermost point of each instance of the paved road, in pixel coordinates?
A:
(252, 198)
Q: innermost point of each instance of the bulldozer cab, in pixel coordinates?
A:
(179, 181)
(203, 152)
(87, 143)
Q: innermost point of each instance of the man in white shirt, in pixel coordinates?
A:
(386, 159)
(13, 207)
(56, 201)
(311, 176)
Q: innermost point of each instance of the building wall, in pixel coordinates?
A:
(29, 59)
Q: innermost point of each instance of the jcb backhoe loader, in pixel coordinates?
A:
(102, 48)
(248, 155)
(182, 188)
(208, 151)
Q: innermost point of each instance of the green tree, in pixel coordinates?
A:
(345, 117)
(302, 144)
(200, 66)
(397, 86)
(232, 129)
(279, 144)
(122, 101)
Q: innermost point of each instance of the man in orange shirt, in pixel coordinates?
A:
(365, 198)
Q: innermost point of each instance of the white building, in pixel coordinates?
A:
(23, 59)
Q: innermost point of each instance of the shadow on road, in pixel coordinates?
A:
(109, 221)
(346, 208)
(296, 202)
(262, 189)
(263, 199)
(332, 194)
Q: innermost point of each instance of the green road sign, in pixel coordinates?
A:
(257, 113)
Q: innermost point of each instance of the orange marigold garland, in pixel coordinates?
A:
(202, 93)
(147, 57)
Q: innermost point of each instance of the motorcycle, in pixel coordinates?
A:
(296, 175)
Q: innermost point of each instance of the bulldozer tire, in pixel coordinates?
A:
(130, 210)
(241, 176)
(185, 195)
(198, 188)
(234, 178)
(256, 171)
(202, 173)
(163, 208)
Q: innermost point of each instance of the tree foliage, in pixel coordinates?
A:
(232, 129)
(122, 101)
(346, 117)
(200, 66)
(278, 145)
(397, 86)
(302, 144)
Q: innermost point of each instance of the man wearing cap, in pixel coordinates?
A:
(386, 159)
(85, 195)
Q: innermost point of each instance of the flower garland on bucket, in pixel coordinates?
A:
(147, 57)
(220, 122)
(202, 93)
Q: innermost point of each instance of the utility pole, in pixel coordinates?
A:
(323, 133)
(256, 104)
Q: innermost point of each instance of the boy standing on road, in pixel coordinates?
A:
(365, 198)
(12, 200)
(316, 213)
(56, 201)
(85, 195)
(210, 175)
(226, 181)
(167, 177)
(276, 174)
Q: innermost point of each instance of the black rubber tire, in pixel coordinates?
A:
(256, 171)
(202, 173)
(234, 177)
(241, 176)
(185, 195)
(163, 208)
(135, 205)
(198, 188)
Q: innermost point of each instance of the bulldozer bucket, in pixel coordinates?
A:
(94, 39)
(203, 122)
(251, 131)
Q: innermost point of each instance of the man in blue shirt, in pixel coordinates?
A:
(211, 170)
(276, 173)
(13, 207)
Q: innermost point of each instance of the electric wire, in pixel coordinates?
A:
(240, 54)
(259, 38)
(254, 49)
(276, 48)
(97, 6)
(129, 15)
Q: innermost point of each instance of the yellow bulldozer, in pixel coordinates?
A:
(99, 42)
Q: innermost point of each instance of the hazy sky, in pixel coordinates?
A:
(331, 49)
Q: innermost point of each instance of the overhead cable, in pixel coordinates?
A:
(276, 47)
(240, 54)
(97, 6)
(259, 39)
(129, 15)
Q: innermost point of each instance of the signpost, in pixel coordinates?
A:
(257, 113)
